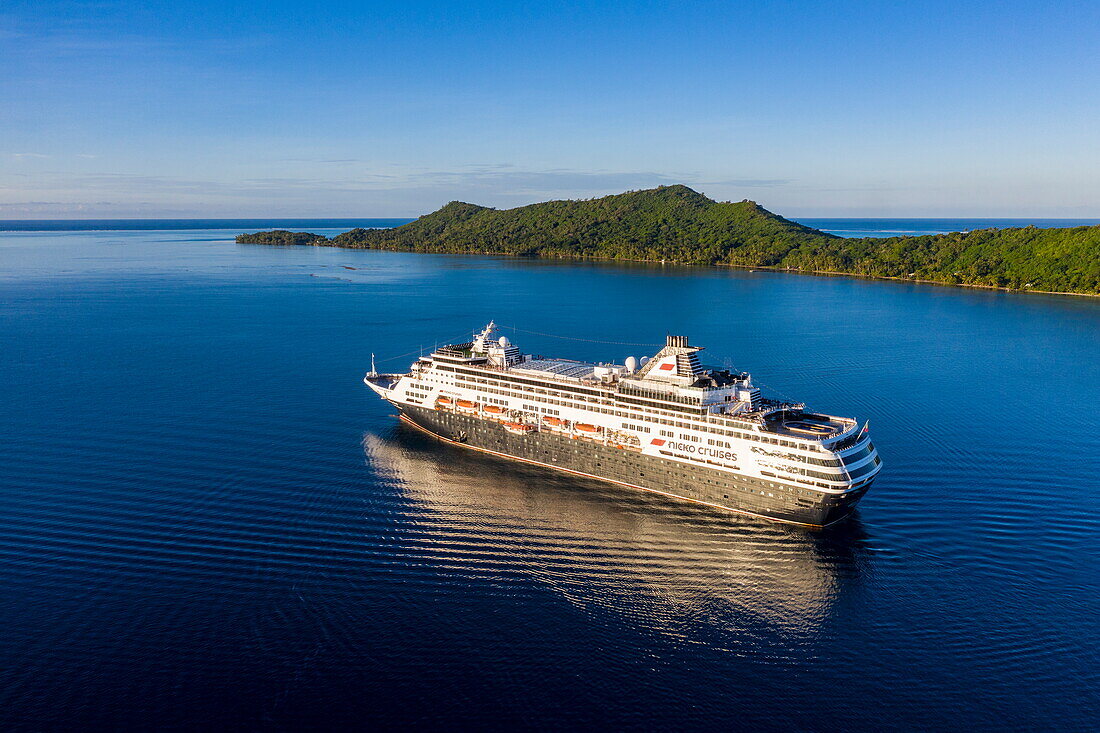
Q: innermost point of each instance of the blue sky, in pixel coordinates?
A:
(197, 109)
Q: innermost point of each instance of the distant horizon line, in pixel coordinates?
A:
(413, 218)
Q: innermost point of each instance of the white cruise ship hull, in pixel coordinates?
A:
(636, 470)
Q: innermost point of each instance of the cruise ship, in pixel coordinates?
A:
(665, 424)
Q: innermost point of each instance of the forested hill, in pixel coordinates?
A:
(675, 224)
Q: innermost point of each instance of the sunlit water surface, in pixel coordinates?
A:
(209, 522)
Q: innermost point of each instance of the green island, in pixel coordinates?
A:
(281, 236)
(677, 225)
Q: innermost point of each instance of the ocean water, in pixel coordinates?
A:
(210, 523)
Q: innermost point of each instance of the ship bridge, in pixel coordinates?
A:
(676, 374)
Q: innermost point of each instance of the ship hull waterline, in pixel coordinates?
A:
(592, 459)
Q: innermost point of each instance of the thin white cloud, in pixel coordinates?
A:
(394, 192)
(753, 182)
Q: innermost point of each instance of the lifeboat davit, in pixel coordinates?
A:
(518, 428)
(494, 409)
(586, 428)
(467, 405)
(556, 422)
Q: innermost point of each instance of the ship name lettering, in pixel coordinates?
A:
(704, 451)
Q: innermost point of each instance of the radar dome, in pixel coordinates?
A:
(645, 360)
(631, 364)
(504, 342)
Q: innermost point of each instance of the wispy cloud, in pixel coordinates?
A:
(85, 30)
(474, 179)
(753, 182)
(389, 191)
(54, 207)
(318, 160)
(560, 181)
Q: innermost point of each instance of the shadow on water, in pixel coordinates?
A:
(667, 564)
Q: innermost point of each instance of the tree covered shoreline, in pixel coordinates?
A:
(282, 237)
(677, 225)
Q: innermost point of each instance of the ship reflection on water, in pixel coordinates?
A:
(671, 566)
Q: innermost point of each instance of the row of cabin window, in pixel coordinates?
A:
(830, 462)
(780, 487)
(714, 482)
(815, 483)
(662, 421)
(730, 433)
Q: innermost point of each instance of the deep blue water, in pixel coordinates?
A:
(209, 522)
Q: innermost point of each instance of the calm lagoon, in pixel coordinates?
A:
(210, 522)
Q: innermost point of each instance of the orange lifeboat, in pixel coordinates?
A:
(518, 428)
(556, 422)
(444, 400)
(467, 405)
(586, 428)
(494, 409)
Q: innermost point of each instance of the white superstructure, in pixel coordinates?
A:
(668, 406)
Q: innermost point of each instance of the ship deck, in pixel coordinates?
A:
(808, 427)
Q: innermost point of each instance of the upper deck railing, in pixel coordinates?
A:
(458, 351)
(846, 439)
